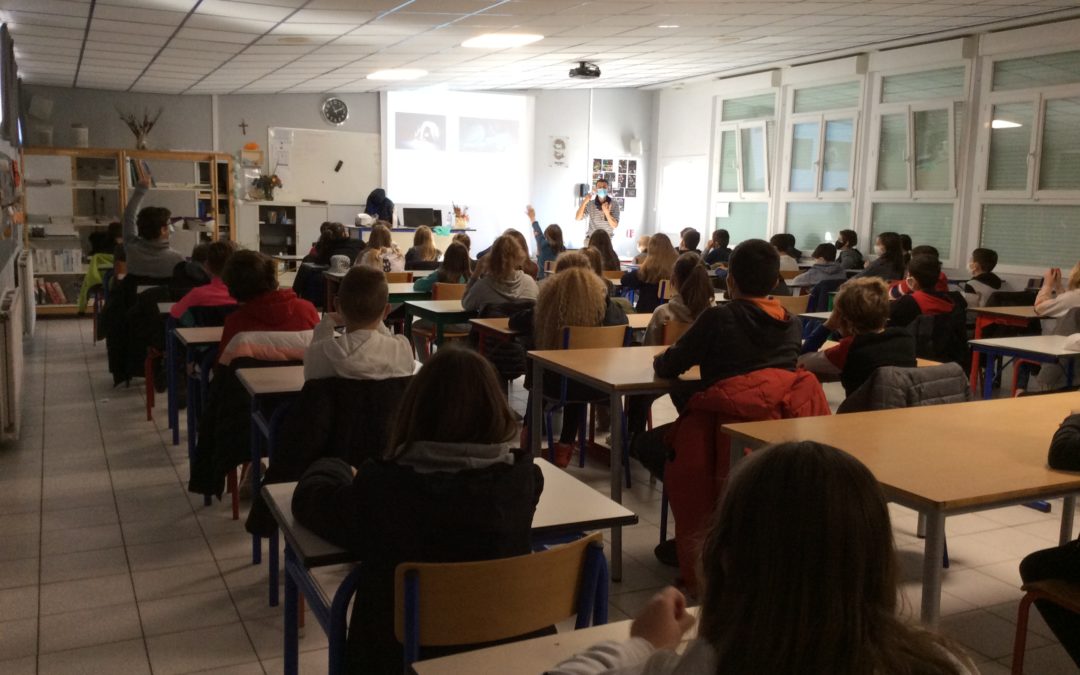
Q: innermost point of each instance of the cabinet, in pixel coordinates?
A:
(280, 227)
(71, 192)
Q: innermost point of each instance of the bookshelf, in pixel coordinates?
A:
(71, 192)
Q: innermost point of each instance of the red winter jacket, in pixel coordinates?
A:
(278, 310)
(696, 475)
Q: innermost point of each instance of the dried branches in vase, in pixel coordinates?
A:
(140, 127)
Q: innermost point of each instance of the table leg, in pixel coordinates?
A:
(617, 422)
(440, 331)
(988, 375)
(933, 551)
(1068, 512)
(170, 379)
(735, 453)
(253, 474)
(291, 647)
(408, 324)
(273, 554)
(536, 412)
(1070, 367)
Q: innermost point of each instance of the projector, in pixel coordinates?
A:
(585, 70)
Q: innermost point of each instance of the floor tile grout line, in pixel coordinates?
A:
(41, 498)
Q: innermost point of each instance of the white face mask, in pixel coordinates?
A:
(971, 267)
(880, 249)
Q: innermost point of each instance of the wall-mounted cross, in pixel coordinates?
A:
(243, 126)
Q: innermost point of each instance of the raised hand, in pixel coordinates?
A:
(531, 213)
(664, 621)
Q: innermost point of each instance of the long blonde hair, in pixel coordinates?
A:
(660, 260)
(1074, 277)
(424, 241)
(573, 297)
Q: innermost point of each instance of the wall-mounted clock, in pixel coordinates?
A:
(335, 111)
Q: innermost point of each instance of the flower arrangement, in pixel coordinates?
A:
(141, 128)
(267, 185)
(461, 216)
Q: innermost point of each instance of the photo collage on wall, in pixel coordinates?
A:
(621, 176)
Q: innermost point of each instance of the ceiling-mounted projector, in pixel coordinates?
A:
(588, 71)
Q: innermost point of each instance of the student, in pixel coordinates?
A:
(213, 294)
(367, 350)
(335, 240)
(901, 288)
(643, 249)
(717, 250)
(860, 314)
(1055, 299)
(983, 282)
(251, 278)
(922, 277)
(658, 265)
(528, 266)
(454, 269)
(423, 254)
(572, 297)
(890, 263)
(851, 258)
(693, 294)
(379, 206)
(381, 252)
(464, 239)
(788, 261)
(601, 241)
(905, 243)
(825, 267)
(764, 583)
(689, 239)
(499, 278)
(449, 488)
(549, 243)
(146, 235)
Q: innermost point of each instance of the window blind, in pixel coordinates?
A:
(827, 97)
(810, 221)
(923, 86)
(748, 107)
(745, 220)
(1036, 71)
(1036, 235)
(1059, 167)
(1009, 146)
(926, 223)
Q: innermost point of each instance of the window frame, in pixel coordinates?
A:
(822, 119)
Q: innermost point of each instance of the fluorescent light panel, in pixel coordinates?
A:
(1004, 124)
(501, 40)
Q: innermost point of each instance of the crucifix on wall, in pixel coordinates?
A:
(243, 126)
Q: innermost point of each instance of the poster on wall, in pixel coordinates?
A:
(558, 145)
(621, 175)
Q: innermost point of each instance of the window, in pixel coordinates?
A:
(1048, 70)
(744, 220)
(1030, 235)
(926, 223)
(744, 160)
(815, 223)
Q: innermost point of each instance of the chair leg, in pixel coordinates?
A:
(1020, 642)
(234, 491)
(945, 552)
(148, 376)
(663, 515)
(584, 434)
(550, 435)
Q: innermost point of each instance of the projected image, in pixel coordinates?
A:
(487, 135)
(418, 131)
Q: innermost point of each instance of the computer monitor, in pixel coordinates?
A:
(415, 217)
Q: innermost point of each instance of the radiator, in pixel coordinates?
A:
(25, 281)
(11, 363)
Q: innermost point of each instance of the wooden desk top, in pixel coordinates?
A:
(404, 288)
(210, 335)
(438, 306)
(566, 505)
(272, 380)
(622, 369)
(823, 316)
(965, 454)
(502, 324)
(287, 257)
(1023, 312)
(1044, 345)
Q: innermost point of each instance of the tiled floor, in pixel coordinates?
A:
(107, 565)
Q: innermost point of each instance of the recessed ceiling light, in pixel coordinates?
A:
(501, 40)
(1004, 124)
(668, 25)
(397, 74)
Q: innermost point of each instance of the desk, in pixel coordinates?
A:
(566, 506)
(333, 281)
(291, 261)
(616, 371)
(1020, 317)
(439, 312)
(816, 316)
(499, 327)
(1041, 348)
(190, 338)
(401, 292)
(970, 457)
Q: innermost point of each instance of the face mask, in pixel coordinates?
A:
(971, 267)
(880, 250)
(601, 193)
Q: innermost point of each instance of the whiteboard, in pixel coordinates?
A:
(305, 159)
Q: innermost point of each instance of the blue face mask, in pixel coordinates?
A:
(601, 193)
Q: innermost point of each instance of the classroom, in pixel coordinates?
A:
(539, 336)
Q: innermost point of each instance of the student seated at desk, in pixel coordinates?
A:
(528, 265)
(367, 350)
(645, 280)
(454, 269)
(146, 234)
(213, 294)
(498, 278)
(850, 257)
(983, 282)
(689, 239)
(423, 254)
(923, 277)
(891, 260)
(549, 242)
(600, 241)
(825, 267)
(642, 248)
(860, 313)
(334, 240)
(450, 488)
(717, 250)
(789, 255)
(251, 278)
(899, 289)
(817, 597)
(1055, 299)
(381, 252)
(692, 295)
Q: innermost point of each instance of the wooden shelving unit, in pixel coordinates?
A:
(70, 192)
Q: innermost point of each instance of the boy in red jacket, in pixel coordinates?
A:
(923, 273)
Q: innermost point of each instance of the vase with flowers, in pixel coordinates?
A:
(461, 217)
(267, 184)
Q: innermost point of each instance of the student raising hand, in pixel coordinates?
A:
(531, 213)
(664, 620)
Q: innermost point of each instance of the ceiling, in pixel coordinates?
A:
(320, 46)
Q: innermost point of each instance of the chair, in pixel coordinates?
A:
(673, 330)
(449, 604)
(665, 291)
(942, 337)
(425, 335)
(819, 294)
(789, 274)
(549, 266)
(614, 275)
(1063, 593)
(399, 277)
(794, 304)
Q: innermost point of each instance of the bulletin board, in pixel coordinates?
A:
(306, 161)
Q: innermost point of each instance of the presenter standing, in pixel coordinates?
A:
(601, 210)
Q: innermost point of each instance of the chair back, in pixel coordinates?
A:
(399, 277)
(614, 275)
(665, 290)
(673, 330)
(789, 274)
(441, 291)
(942, 337)
(893, 387)
(819, 294)
(446, 604)
(1011, 298)
(549, 266)
(794, 304)
(595, 337)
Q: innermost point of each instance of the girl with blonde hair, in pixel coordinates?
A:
(499, 278)
(381, 252)
(423, 254)
(658, 265)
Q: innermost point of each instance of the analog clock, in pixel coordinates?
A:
(335, 111)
